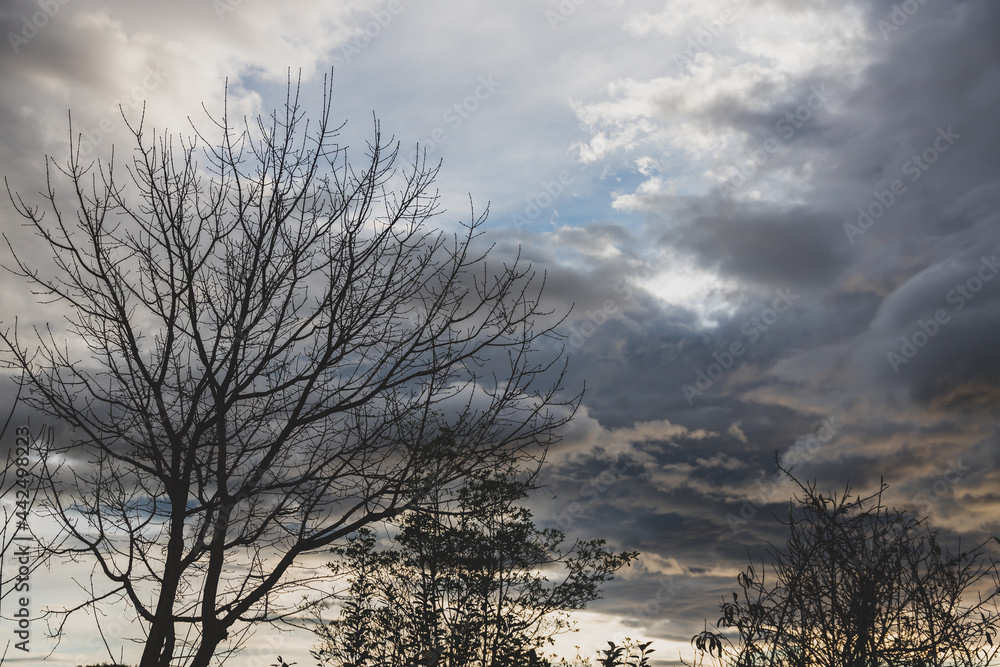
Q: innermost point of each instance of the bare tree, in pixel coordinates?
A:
(266, 352)
(859, 584)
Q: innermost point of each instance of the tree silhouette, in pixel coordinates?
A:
(265, 349)
(467, 586)
(858, 584)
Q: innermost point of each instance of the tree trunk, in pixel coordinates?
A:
(206, 649)
(160, 643)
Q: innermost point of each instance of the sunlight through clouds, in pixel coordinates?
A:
(672, 169)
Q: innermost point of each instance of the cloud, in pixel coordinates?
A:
(670, 166)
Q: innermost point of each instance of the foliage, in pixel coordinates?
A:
(629, 654)
(858, 584)
(466, 584)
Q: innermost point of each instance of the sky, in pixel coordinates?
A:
(776, 222)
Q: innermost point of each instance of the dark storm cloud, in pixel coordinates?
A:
(938, 239)
(777, 247)
(922, 115)
(914, 148)
(876, 208)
